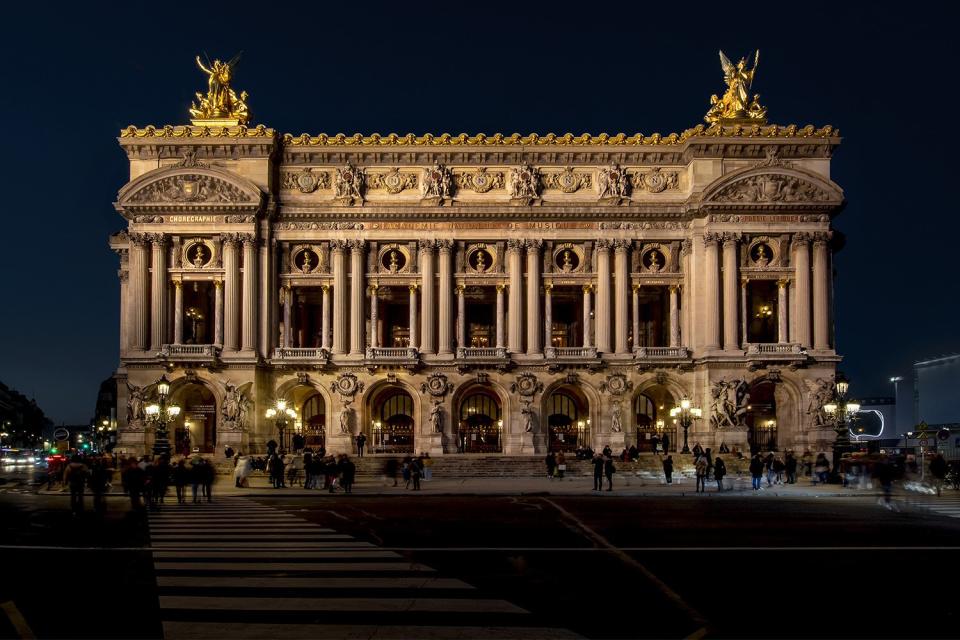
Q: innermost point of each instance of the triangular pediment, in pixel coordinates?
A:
(778, 186)
(193, 188)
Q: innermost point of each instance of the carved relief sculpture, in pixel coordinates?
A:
(135, 408)
(729, 404)
(348, 185)
(481, 181)
(616, 418)
(233, 411)
(524, 185)
(657, 181)
(613, 184)
(437, 184)
(436, 417)
(306, 181)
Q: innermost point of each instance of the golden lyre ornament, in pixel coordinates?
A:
(736, 105)
(221, 106)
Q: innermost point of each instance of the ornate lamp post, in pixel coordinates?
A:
(281, 414)
(838, 411)
(161, 413)
(685, 414)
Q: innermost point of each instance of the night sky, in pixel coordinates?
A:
(73, 75)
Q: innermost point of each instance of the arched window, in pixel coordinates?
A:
(314, 413)
(563, 409)
(479, 408)
(645, 410)
(397, 409)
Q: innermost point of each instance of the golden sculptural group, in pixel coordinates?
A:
(221, 105)
(736, 104)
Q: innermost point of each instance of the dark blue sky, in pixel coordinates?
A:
(74, 75)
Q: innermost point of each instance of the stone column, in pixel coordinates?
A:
(340, 318)
(218, 313)
(548, 315)
(288, 316)
(821, 296)
(325, 318)
(124, 274)
(586, 315)
(267, 296)
(801, 262)
(500, 313)
(621, 284)
(636, 316)
(782, 311)
(711, 312)
(674, 316)
(428, 309)
(231, 294)
(534, 327)
(603, 296)
(445, 330)
(462, 316)
(730, 277)
(514, 266)
(250, 302)
(743, 309)
(686, 296)
(358, 317)
(177, 312)
(374, 312)
(158, 293)
(414, 317)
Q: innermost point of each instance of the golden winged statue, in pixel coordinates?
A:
(736, 103)
(221, 105)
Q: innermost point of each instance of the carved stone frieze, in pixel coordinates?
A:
(346, 386)
(616, 384)
(613, 184)
(524, 184)
(320, 226)
(645, 226)
(393, 181)
(190, 188)
(348, 185)
(305, 181)
(527, 385)
(480, 181)
(656, 181)
(769, 187)
(436, 385)
(567, 181)
(437, 184)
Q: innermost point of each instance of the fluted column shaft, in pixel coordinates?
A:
(249, 328)
(711, 319)
(674, 316)
(218, 313)
(587, 313)
(445, 329)
(534, 328)
(428, 309)
(231, 294)
(358, 318)
(325, 318)
(801, 261)
(500, 314)
(462, 317)
(515, 267)
(340, 316)
(782, 311)
(177, 312)
(125, 306)
(268, 329)
(374, 318)
(288, 317)
(548, 315)
(821, 296)
(414, 317)
(622, 288)
(603, 296)
(636, 316)
(743, 310)
(158, 294)
(730, 277)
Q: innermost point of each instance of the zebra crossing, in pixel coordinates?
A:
(238, 569)
(947, 504)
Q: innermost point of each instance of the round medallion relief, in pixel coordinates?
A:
(393, 260)
(306, 260)
(654, 260)
(480, 260)
(761, 254)
(199, 255)
(567, 260)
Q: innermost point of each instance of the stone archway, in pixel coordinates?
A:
(392, 412)
(567, 421)
(196, 429)
(650, 413)
(314, 411)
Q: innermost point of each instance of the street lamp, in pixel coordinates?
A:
(281, 414)
(160, 414)
(685, 414)
(839, 410)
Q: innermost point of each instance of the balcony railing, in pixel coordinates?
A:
(481, 353)
(570, 353)
(192, 352)
(661, 353)
(776, 348)
(301, 354)
(392, 354)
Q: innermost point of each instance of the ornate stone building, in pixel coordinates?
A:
(512, 294)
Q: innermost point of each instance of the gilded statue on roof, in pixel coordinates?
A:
(736, 103)
(221, 102)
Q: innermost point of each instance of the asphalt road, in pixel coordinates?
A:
(602, 566)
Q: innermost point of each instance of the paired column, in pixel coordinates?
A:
(821, 295)
(445, 330)
(124, 274)
(414, 317)
(177, 312)
(636, 316)
(587, 313)
(534, 328)
(462, 316)
(501, 312)
(548, 315)
(428, 304)
(267, 280)
(231, 293)
(782, 311)
(374, 312)
(603, 296)
(218, 313)
(358, 318)
(743, 309)
(288, 316)
(801, 262)
(730, 242)
(249, 327)
(621, 284)
(711, 319)
(325, 318)
(515, 267)
(674, 316)
(340, 326)
(158, 293)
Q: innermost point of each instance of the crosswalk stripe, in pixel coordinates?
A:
(292, 566)
(256, 631)
(293, 546)
(331, 582)
(338, 604)
(277, 555)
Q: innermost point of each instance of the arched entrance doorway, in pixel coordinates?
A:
(651, 413)
(393, 422)
(762, 417)
(313, 418)
(568, 420)
(480, 427)
(197, 427)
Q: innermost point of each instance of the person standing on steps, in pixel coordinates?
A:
(609, 470)
(361, 440)
(597, 472)
(701, 467)
(561, 464)
(719, 470)
(756, 471)
(666, 443)
(668, 467)
(551, 461)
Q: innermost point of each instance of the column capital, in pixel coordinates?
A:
(177, 283)
(413, 288)
(602, 244)
(636, 287)
(730, 238)
(533, 244)
(248, 239)
(743, 283)
(685, 247)
(673, 288)
(445, 246)
(325, 288)
(621, 246)
(357, 246)
(783, 282)
(230, 239)
(515, 244)
(218, 284)
(159, 239)
(501, 287)
(339, 246)
(140, 239)
(801, 238)
(461, 288)
(711, 238)
(587, 288)
(373, 290)
(548, 287)
(426, 246)
(821, 238)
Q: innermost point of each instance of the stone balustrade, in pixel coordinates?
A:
(570, 353)
(392, 354)
(774, 348)
(481, 353)
(190, 352)
(661, 353)
(301, 354)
